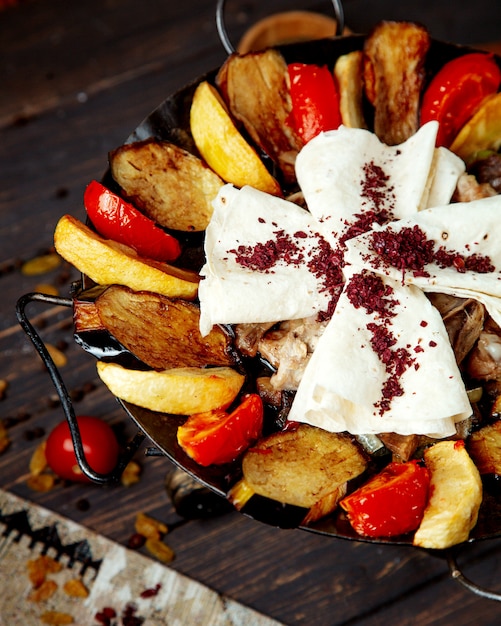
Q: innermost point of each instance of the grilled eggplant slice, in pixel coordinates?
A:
(306, 467)
(484, 447)
(255, 87)
(162, 332)
(170, 185)
(394, 56)
(349, 76)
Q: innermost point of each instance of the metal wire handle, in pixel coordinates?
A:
(457, 574)
(66, 403)
(228, 46)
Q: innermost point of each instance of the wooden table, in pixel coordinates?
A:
(76, 78)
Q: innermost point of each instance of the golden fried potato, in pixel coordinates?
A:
(180, 391)
(255, 87)
(349, 77)
(176, 341)
(394, 56)
(172, 186)
(455, 497)
(306, 467)
(107, 262)
(221, 144)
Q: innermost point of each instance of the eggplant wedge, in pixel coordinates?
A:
(394, 57)
(170, 185)
(255, 88)
(161, 332)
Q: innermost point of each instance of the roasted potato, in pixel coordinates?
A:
(455, 496)
(394, 56)
(349, 77)
(255, 87)
(107, 262)
(484, 446)
(162, 332)
(179, 391)
(221, 144)
(306, 467)
(170, 185)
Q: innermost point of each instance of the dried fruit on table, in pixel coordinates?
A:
(303, 466)
(75, 588)
(42, 264)
(4, 438)
(149, 527)
(160, 550)
(255, 87)
(43, 592)
(181, 391)
(41, 482)
(394, 56)
(129, 316)
(56, 618)
(41, 566)
(38, 461)
(107, 262)
(223, 147)
(131, 474)
(455, 496)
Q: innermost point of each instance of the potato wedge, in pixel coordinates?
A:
(306, 467)
(222, 146)
(455, 497)
(180, 391)
(394, 56)
(484, 447)
(482, 131)
(176, 341)
(170, 185)
(107, 262)
(255, 87)
(349, 77)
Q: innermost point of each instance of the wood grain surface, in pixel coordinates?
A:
(75, 80)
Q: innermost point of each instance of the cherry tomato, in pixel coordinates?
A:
(391, 503)
(315, 100)
(99, 443)
(120, 221)
(217, 437)
(457, 90)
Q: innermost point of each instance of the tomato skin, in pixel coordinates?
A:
(391, 503)
(99, 444)
(218, 437)
(457, 90)
(120, 221)
(315, 100)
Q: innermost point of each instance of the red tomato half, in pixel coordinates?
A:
(120, 221)
(315, 99)
(99, 443)
(391, 503)
(457, 90)
(218, 437)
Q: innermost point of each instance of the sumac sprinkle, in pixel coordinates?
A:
(376, 189)
(369, 291)
(364, 222)
(263, 257)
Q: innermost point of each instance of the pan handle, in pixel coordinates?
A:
(66, 403)
(228, 46)
(457, 574)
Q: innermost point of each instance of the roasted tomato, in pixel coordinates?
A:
(99, 444)
(391, 503)
(120, 221)
(457, 90)
(218, 437)
(315, 99)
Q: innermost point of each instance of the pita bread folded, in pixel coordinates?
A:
(465, 229)
(348, 172)
(231, 293)
(341, 389)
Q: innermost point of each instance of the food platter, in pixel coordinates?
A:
(170, 121)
